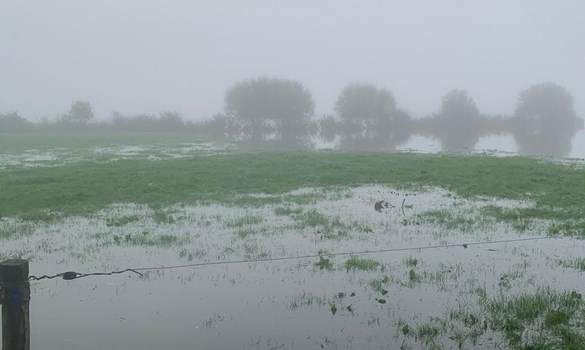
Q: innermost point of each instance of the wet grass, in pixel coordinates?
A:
(20, 142)
(122, 221)
(16, 229)
(306, 299)
(544, 319)
(577, 263)
(147, 240)
(447, 219)
(246, 220)
(556, 317)
(85, 187)
(361, 264)
(411, 262)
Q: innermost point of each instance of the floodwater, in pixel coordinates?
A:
(493, 144)
(498, 145)
(59, 156)
(283, 304)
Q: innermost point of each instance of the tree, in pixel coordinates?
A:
(171, 121)
(545, 120)
(270, 107)
(369, 117)
(328, 128)
(13, 122)
(79, 113)
(459, 121)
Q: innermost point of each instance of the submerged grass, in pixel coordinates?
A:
(558, 318)
(577, 263)
(544, 319)
(362, 264)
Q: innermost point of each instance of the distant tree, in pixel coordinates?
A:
(369, 117)
(80, 113)
(328, 128)
(220, 125)
(545, 120)
(458, 122)
(363, 108)
(166, 121)
(269, 107)
(13, 122)
(171, 121)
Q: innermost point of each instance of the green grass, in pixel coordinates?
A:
(246, 220)
(357, 263)
(446, 219)
(324, 263)
(577, 263)
(85, 187)
(560, 316)
(20, 142)
(147, 240)
(411, 262)
(544, 319)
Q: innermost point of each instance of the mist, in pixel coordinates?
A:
(147, 56)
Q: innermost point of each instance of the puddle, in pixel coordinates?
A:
(282, 304)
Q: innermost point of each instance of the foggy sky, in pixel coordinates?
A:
(144, 56)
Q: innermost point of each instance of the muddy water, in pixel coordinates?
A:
(278, 304)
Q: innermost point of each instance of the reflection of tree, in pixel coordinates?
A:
(545, 121)
(268, 108)
(458, 124)
(369, 118)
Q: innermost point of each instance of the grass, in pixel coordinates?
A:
(246, 220)
(147, 240)
(559, 316)
(326, 226)
(324, 263)
(577, 263)
(84, 187)
(544, 319)
(446, 219)
(379, 284)
(411, 262)
(361, 264)
(20, 142)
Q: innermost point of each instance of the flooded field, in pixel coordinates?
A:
(111, 153)
(366, 266)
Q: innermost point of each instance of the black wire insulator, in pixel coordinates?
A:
(69, 275)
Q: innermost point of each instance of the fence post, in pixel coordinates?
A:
(15, 296)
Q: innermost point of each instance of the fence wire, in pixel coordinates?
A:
(70, 275)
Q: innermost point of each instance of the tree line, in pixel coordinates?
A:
(282, 112)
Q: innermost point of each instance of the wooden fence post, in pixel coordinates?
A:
(15, 296)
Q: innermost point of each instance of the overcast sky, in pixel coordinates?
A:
(144, 56)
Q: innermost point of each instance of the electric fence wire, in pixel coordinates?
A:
(70, 275)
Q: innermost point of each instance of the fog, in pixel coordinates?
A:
(148, 56)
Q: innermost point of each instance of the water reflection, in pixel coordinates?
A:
(549, 138)
(544, 123)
